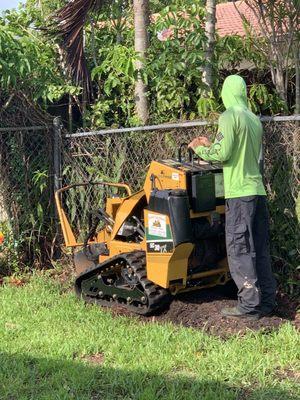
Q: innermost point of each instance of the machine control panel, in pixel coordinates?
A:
(192, 166)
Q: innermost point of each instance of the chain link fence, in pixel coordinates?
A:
(26, 190)
(124, 156)
(36, 160)
(27, 216)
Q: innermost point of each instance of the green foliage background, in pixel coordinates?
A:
(31, 62)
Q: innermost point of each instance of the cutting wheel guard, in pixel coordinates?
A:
(68, 233)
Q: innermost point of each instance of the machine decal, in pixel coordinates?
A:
(157, 238)
(175, 176)
(160, 247)
(157, 225)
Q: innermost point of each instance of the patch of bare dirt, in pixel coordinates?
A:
(287, 373)
(95, 359)
(244, 394)
(202, 310)
(17, 281)
(65, 274)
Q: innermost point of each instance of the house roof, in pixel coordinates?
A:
(229, 18)
(229, 21)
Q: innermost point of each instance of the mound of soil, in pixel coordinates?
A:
(201, 310)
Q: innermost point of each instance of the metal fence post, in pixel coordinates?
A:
(57, 149)
(57, 181)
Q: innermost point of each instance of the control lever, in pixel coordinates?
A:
(190, 151)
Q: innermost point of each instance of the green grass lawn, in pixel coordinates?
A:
(47, 336)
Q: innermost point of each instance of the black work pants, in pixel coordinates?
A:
(247, 242)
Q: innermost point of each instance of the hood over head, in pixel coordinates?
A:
(234, 92)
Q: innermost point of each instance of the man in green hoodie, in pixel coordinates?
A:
(238, 147)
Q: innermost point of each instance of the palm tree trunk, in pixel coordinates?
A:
(210, 32)
(141, 24)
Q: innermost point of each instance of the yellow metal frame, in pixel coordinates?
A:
(68, 233)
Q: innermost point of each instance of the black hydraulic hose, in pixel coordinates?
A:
(100, 215)
(190, 151)
(93, 229)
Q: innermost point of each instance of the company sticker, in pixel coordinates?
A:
(157, 225)
(175, 176)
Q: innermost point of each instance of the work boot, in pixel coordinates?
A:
(267, 311)
(235, 313)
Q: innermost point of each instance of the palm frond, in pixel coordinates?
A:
(68, 27)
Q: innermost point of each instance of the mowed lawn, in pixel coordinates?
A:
(53, 346)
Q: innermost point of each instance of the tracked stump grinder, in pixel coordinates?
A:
(165, 239)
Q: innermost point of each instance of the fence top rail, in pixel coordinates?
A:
(175, 125)
(25, 128)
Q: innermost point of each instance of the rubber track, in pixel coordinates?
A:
(157, 297)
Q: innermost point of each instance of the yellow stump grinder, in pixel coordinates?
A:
(167, 238)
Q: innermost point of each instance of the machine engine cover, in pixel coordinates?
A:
(175, 204)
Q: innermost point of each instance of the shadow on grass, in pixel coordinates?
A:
(26, 378)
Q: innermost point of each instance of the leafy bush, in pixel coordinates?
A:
(174, 70)
(32, 63)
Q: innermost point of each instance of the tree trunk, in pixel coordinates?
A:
(297, 72)
(210, 32)
(141, 24)
(279, 83)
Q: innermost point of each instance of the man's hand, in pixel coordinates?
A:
(199, 141)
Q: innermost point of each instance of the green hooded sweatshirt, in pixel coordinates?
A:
(238, 143)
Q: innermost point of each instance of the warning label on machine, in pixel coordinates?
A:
(157, 225)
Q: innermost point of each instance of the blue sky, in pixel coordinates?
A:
(6, 4)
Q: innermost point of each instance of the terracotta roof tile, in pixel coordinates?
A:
(229, 21)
